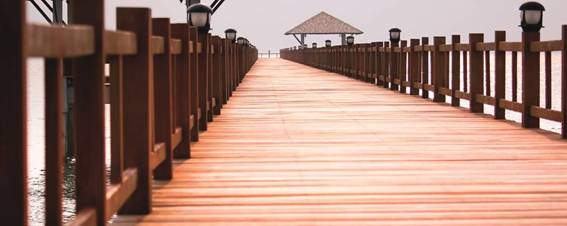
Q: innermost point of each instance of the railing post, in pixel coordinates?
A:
(194, 83)
(203, 65)
(424, 68)
(476, 78)
(386, 65)
(163, 98)
(455, 71)
(500, 75)
(438, 75)
(394, 66)
(183, 98)
(379, 63)
(414, 67)
(13, 141)
(530, 79)
(138, 107)
(211, 70)
(89, 111)
(403, 66)
(564, 82)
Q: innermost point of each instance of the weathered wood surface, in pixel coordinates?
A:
(300, 146)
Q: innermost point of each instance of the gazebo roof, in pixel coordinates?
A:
(323, 24)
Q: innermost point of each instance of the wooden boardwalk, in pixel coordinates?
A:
(301, 146)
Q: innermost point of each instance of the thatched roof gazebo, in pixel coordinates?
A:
(323, 24)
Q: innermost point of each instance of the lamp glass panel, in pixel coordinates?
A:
(532, 16)
(395, 35)
(230, 35)
(199, 19)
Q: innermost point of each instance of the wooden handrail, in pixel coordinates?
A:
(60, 42)
(120, 43)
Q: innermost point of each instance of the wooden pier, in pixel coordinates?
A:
(381, 133)
(301, 146)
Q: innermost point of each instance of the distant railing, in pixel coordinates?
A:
(268, 55)
(166, 81)
(459, 71)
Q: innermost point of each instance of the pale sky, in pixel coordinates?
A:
(264, 22)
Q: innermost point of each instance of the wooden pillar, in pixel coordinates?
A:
(414, 67)
(163, 81)
(183, 89)
(500, 75)
(89, 111)
(455, 71)
(530, 79)
(138, 107)
(438, 75)
(476, 72)
(13, 117)
(424, 67)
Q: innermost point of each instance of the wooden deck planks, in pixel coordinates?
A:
(300, 146)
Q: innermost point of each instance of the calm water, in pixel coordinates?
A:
(37, 135)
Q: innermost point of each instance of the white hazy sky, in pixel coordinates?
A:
(264, 22)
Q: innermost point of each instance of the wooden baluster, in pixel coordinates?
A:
(466, 71)
(183, 89)
(139, 107)
(54, 141)
(116, 119)
(487, 74)
(13, 117)
(89, 111)
(514, 76)
(564, 81)
(530, 79)
(163, 99)
(548, 74)
(455, 71)
(499, 76)
(438, 75)
(476, 66)
(425, 67)
(413, 67)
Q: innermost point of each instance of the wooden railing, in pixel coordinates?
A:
(159, 72)
(459, 71)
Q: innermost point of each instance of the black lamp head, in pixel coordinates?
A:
(395, 35)
(532, 16)
(350, 40)
(230, 34)
(199, 15)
